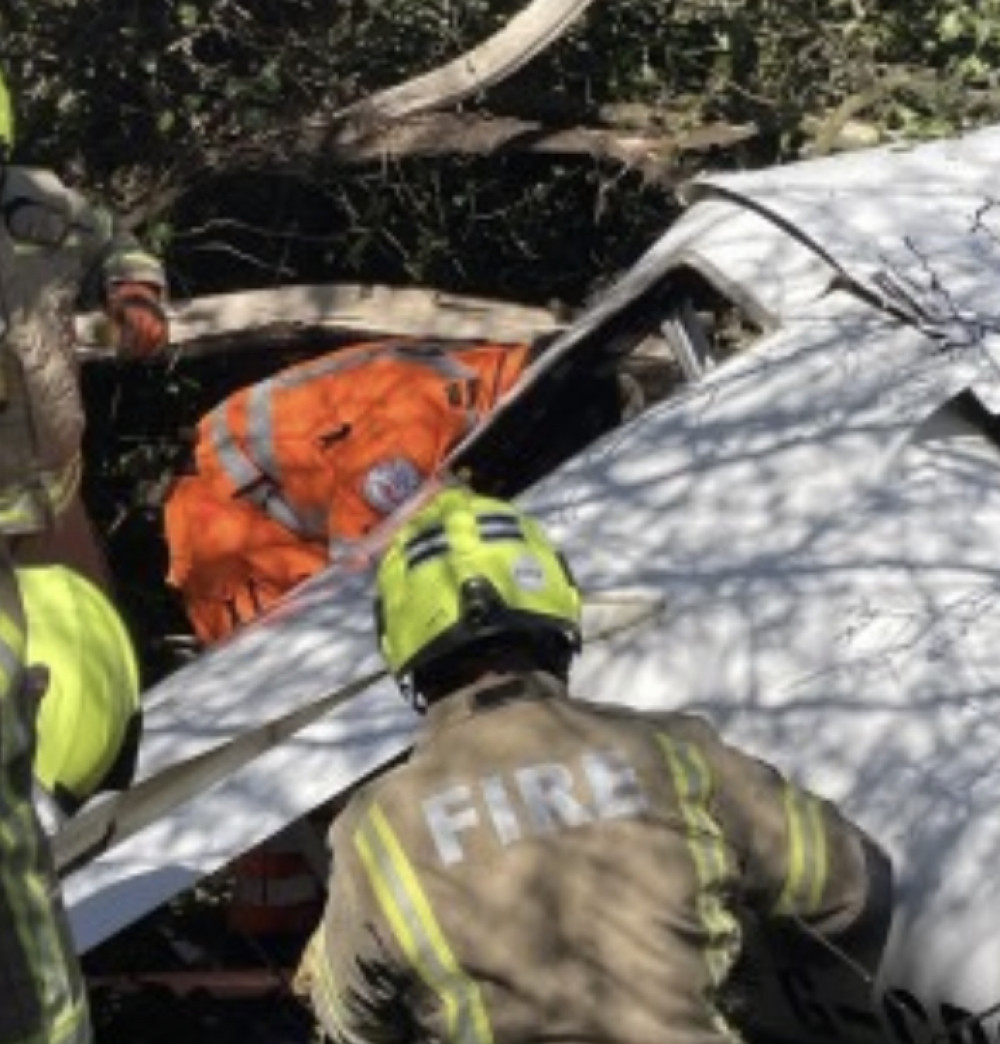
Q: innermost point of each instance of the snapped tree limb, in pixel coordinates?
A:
(524, 37)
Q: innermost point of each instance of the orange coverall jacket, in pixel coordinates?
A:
(291, 470)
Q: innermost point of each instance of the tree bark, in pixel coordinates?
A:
(656, 154)
(330, 313)
(472, 134)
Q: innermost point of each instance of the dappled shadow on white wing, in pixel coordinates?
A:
(822, 518)
(809, 532)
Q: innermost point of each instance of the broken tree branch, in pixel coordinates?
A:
(524, 37)
(436, 134)
(262, 319)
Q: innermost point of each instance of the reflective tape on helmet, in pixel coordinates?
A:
(499, 525)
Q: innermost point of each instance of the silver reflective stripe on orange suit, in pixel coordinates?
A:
(42, 1000)
(254, 470)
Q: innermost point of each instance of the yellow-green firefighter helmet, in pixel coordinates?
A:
(6, 118)
(465, 568)
(93, 695)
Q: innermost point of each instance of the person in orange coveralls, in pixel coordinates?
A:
(291, 471)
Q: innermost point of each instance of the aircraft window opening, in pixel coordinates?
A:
(973, 410)
(702, 326)
(966, 413)
(665, 340)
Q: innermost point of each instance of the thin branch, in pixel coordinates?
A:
(524, 37)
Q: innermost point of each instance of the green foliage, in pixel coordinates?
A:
(510, 226)
(967, 39)
(145, 102)
(180, 113)
(178, 77)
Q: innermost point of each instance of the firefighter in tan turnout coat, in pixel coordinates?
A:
(543, 868)
(58, 251)
(42, 999)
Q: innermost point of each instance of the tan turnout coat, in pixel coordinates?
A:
(57, 252)
(547, 869)
(42, 997)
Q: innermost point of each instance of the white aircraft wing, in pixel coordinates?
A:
(824, 512)
(236, 753)
(821, 515)
(890, 220)
(277, 667)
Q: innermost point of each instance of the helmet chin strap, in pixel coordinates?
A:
(414, 698)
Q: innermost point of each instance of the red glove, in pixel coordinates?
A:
(140, 321)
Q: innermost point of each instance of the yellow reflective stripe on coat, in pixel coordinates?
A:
(28, 508)
(12, 641)
(326, 996)
(31, 948)
(61, 486)
(72, 1025)
(693, 785)
(807, 859)
(417, 931)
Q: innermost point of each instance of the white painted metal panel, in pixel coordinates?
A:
(918, 225)
(824, 529)
(830, 561)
